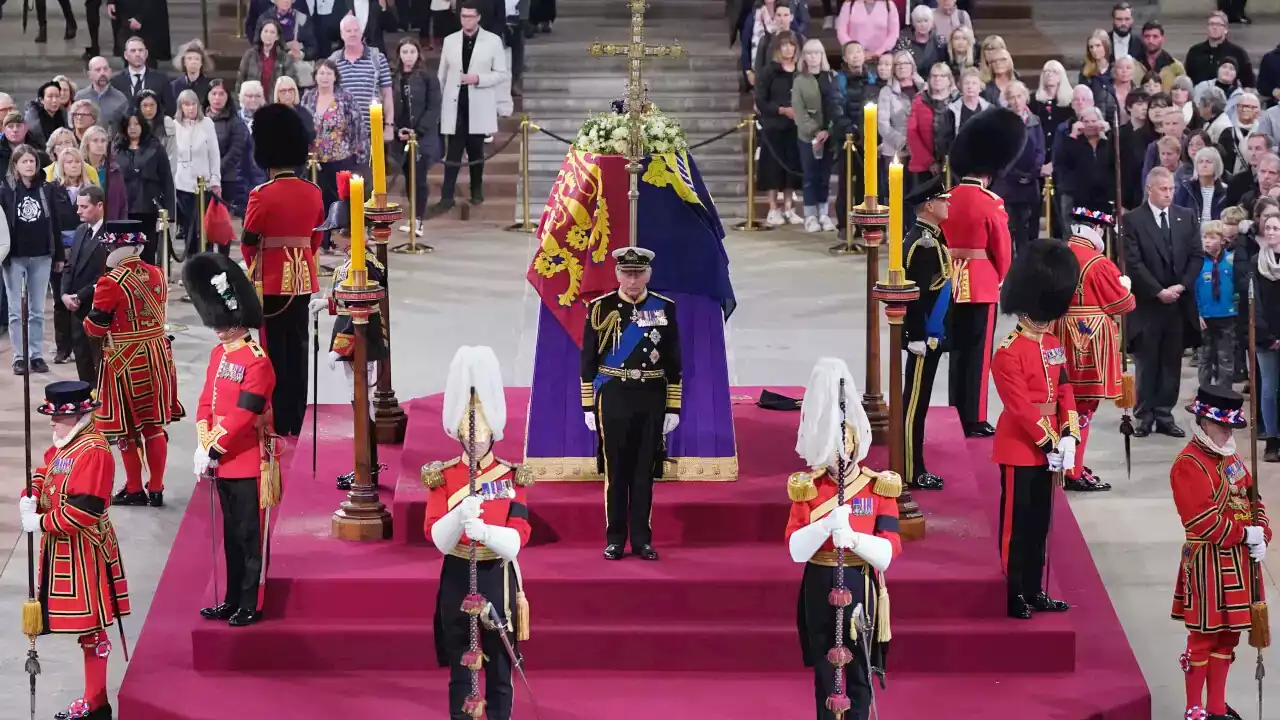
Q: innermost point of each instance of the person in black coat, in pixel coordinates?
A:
(146, 19)
(193, 65)
(418, 100)
(1203, 58)
(148, 178)
(1085, 165)
(140, 74)
(45, 114)
(1135, 136)
(1163, 256)
(85, 263)
(233, 139)
(856, 85)
(1207, 166)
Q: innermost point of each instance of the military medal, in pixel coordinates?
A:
(655, 336)
(497, 490)
(1054, 356)
(861, 507)
(653, 356)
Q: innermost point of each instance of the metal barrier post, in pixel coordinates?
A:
(847, 247)
(412, 247)
(202, 185)
(164, 271)
(239, 22)
(1048, 207)
(751, 224)
(526, 223)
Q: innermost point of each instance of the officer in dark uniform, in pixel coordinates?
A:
(631, 396)
(927, 324)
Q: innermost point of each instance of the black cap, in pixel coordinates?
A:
(68, 397)
(1220, 404)
(933, 189)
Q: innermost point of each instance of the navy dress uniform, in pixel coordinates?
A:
(631, 375)
(927, 325)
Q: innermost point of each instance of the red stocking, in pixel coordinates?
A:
(131, 456)
(1219, 664)
(1196, 665)
(96, 647)
(1086, 408)
(156, 444)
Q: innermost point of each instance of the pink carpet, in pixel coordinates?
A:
(708, 632)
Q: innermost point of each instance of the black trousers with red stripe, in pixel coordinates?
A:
(1026, 503)
(916, 392)
(972, 331)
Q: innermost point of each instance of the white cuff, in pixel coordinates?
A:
(875, 550)
(447, 531)
(806, 541)
(504, 541)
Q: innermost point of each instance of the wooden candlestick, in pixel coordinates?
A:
(896, 294)
(389, 420)
(871, 218)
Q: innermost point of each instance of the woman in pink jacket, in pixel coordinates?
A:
(873, 24)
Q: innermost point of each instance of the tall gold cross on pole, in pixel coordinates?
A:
(636, 52)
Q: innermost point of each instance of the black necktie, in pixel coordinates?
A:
(1164, 224)
(137, 84)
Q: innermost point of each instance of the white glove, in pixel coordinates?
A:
(844, 538)
(476, 529)
(1255, 535)
(201, 461)
(670, 422)
(1068, 449)
(837, 519)
(1055, 461)
(1126, 282)
(470, 507)
(1258, 552)
(27, 511)
(590, 419)
(916, 348)
(333, 360)
(315, 306)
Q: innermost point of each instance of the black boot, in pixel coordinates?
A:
(219, 612)
(1271, 451)
(126, 498)
(42, 35)
(926, 481)
(1018, 608)
(1043, 603)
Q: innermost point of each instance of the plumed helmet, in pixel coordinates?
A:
(475, 379)
(987, 143)
(221, 292)
(1041, 281)
(280, 138)
(821, 435)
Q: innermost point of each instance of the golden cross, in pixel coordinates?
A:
(636, 52)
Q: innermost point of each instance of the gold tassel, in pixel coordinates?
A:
(888, 484)
(1259, 626)
(800, 487)
(32, 618)
(268, 484)
(522, 616)
(1128, 392)
(883, 634)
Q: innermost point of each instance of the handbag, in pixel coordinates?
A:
(217, 223)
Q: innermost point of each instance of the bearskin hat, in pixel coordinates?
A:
(339, 217)
(222, 294)
(1041, 281)
(280, 138)
(987, 144)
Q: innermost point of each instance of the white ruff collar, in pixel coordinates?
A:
(1226, 450)
(65, 440)
(1088, 233)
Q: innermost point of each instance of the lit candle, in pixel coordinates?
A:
(376, 160)
(357, 229)
(870, 149)
(895, 215)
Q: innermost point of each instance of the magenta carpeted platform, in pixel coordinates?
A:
(708, 632)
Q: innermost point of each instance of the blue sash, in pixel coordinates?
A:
(631, 337)
(934, 327)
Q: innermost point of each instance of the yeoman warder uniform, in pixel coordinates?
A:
(631, 374)
(1039, 427)
(977, 229)
(927, 325)
(492, 510)
(83, 590)
(1212, 594)
(138, 384)
(233, 426)
(1090, 331)
(279, 245)
(864, 527)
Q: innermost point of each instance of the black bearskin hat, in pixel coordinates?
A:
(280, 138)
(1041, 282)
(223, 295)
(987, 144)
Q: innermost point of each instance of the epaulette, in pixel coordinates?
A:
(800, 487)
(524, 473)
(433, 472)
(117, 273)
(1008, 339)
(926, 239)
(257, 350)
(993, 196)
(661, 297)
(611, 292)
(885, 484)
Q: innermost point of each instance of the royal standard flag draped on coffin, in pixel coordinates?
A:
(588, 217)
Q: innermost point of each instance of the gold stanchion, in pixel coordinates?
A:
(313, 169)
(1048, 207)
(412, 247)
(946, 172)
(847, 247)
(164, 271)
(526, 224)
(202, 186)
(751, 224)
(239, 22)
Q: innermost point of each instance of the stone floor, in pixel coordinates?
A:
(795, 303)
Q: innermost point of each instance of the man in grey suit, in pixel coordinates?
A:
(85, 264)
(1162, 257)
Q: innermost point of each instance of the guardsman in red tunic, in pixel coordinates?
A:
(1090, 332)
(279, 243)
(977, 229)
(82, 584)
(233, 427)
(138, 384)
(493, 511)
(865, 526)
(1038, 429)
(1212, 593)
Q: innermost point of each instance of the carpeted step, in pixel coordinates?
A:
(1044, 645)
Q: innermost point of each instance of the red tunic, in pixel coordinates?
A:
(872, 495)
(234, 414)
(1090, 332)
(138, 386)
(82, 583)
(450, 482)
(280, 241)
(1039, 404)
(1212, 590)
(977, 231)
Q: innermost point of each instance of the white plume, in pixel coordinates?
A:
(475, 367)
(820, 436)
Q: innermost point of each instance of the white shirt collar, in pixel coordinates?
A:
(97, 226)
(1155, 211)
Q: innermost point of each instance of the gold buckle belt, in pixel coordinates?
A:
(137, 335)
(482, 553)
(968, 253)
(286, 242)
(827, 558)
(632, 373)
(1085, 310)
(1048, 408)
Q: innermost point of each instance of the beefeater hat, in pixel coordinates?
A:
(987, 144)
(1099, 217)
(280, 138)
(221, 292)
(1219, 404)
(122, 233)
(1041, 282)
(68, 397)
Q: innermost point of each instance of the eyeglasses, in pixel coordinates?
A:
(82, 115)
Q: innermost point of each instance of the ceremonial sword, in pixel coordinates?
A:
(496, 624)
(862, 622)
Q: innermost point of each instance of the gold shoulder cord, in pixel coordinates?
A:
(609, 328)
